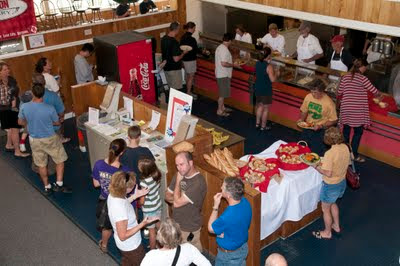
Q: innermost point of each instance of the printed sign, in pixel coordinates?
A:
(17, 17)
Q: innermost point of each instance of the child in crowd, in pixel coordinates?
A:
(150, 177)
(134, 152)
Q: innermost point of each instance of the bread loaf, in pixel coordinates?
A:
(183, 146)
(217, 163)
(231, 161)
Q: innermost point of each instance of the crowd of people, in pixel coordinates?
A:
(129, 179)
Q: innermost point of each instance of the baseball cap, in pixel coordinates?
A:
(305, 24)
(337, 38)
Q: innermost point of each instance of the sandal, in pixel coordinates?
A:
(227, 109)
(102, 248)
(223, 114)
(359, 159)
(257, 126)
(317, 235)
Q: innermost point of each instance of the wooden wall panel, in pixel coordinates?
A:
(22, 67)
(373, 11)
(76, 34)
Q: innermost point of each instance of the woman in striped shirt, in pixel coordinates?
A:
(150, 177)
(354, 110)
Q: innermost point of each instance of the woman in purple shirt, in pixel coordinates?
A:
(102, 172)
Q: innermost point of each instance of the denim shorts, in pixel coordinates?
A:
(156, 213)
(235, 258)
(331, 192)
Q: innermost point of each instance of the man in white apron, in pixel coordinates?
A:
(341, 59)
(308, 47)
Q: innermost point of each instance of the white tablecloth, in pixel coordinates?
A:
(292, 199)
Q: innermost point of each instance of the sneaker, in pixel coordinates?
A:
(48, 191)
(22, 147)
(63, 189)
(82, 148)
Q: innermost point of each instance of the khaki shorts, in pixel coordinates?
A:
(44, 147)
(195, 241)
(174, 79)
(190, 66)
(224, 87)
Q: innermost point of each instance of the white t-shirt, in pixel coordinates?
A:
(189, 254)
(51, 82)
(308, 47)
(222, 54)
(277, 43)
(120, 210)
(246, 37)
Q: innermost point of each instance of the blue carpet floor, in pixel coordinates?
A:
(369, 216)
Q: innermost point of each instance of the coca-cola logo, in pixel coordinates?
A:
(144, 72)
(10, 9)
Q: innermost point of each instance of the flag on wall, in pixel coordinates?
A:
(17, 17)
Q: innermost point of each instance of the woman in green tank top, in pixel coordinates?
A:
(265, 75)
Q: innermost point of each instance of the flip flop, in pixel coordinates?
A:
(9, 150)
(102, 248)
(22, 155)
(223, 114)
(317, 235)
(227, 109)
(359, 159)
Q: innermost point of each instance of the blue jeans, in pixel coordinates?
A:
(235, 258)
(355, 141)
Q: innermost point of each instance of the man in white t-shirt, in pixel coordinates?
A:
(308, 47)
(274, 40)
(243, 36)
(223, 72)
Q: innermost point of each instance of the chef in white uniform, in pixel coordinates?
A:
(274, 40)
(243, 36)
(308, 47)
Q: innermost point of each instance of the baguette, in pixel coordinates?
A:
(216, 162)
(231, 161)
(227, 168)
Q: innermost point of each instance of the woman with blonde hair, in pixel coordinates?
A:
(171, 251)
(123, 219)
(334, 168)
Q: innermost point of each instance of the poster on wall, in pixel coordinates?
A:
(179, 104)
(17, 17)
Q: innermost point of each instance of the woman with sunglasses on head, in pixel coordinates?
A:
(123, 219)
(102, 172)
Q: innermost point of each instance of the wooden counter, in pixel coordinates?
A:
(381, 141)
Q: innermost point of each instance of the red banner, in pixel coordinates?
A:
(17, 17)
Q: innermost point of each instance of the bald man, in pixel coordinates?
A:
(275, 259)
(186, 193)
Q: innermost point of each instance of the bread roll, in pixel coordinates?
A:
(183, 146)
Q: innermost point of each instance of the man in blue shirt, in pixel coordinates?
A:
(233, 225)
(40, 118)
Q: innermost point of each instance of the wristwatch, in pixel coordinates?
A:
(215, 209)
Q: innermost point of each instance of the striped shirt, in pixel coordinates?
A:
(152, 201)
(354, 110)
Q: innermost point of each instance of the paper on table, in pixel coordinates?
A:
(128, 105)
(155, 119)
(93, 116)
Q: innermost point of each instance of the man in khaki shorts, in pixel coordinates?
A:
(40, 119)
(186, 192)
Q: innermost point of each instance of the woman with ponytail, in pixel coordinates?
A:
(102, 172)
(354, 111)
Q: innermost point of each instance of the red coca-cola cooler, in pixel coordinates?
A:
(128, 58)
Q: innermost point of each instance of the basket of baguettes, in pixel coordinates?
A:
(223, 160)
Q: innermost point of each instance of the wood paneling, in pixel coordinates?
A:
(373, 11)
(77, 34)
(22, 67)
